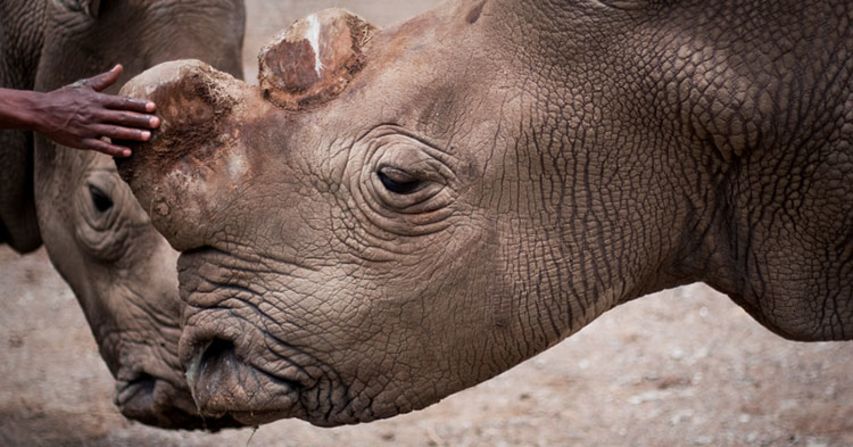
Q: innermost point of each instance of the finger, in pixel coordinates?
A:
(122, 133)
(106, 148)
(104, 80)
(129, 104)
(130, 119)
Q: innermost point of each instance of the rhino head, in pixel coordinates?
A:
(392, 216)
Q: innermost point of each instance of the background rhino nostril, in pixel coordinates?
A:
(137, 392)
(144, 381)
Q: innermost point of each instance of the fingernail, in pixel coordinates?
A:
(146, 135)
(150, 107)
(154, 122)
(125, 153)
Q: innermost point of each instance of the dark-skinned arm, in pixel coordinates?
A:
(80, 116)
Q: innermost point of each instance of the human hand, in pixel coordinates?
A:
(79, 116)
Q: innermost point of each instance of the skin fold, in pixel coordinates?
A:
(395, 215)
(97, 235)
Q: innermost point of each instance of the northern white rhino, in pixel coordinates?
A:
(395, 215)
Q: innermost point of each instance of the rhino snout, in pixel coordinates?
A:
(172, 175)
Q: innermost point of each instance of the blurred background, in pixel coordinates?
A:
(678, 368)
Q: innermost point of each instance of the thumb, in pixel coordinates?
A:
(104, 80)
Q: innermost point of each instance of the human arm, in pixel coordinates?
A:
(79, 115)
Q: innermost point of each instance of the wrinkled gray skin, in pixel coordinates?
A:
(97, 235)
(21, 36)
(570, 156)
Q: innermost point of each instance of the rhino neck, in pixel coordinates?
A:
(702, 151)
(618, 216)
(22, 25)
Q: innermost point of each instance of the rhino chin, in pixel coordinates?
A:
(157, 402)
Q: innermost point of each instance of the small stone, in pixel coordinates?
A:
(16, 341)
(676, 354)
(703, 440)
(647, 396)
(680, 417)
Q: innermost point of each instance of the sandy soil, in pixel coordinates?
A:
(683, 367)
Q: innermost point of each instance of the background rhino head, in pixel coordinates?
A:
(97, 235)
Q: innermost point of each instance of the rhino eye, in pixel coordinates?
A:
(398, 182)
(100, 199)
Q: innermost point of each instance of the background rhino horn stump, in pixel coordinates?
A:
(314, 60)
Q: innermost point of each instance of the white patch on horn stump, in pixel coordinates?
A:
(313, 36)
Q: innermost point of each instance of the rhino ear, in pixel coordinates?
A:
(91, 8)
(314, 60)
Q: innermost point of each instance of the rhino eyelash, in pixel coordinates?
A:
(397, 186)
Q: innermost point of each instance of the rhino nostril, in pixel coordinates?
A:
(212, 355)
(217, 349)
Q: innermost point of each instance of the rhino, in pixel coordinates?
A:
(395, 215)
(97, 235)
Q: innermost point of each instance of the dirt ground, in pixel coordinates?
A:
(683, 367)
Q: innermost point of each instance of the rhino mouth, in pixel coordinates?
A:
(223, 384)
(239, 361)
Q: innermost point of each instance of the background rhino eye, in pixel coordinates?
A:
(100, 199)
(398, 182)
